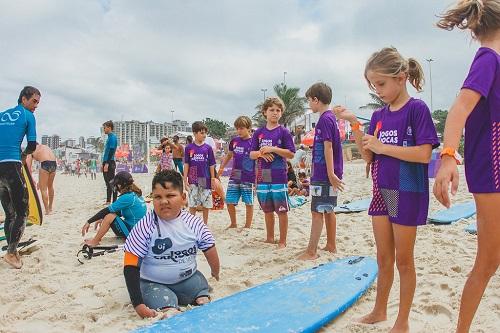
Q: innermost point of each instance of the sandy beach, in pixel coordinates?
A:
(54, 293)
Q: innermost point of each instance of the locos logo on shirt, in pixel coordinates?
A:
(390, 136)
(198, 157)
(10, 117)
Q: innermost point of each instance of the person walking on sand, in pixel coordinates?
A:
(46, 174)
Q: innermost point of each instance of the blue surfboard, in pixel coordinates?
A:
(354, 207)
(472, 228)
(300, 302)
(453, 214)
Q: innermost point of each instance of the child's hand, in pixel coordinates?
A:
(266, 150)
(85, 228)
(372, 143)
(144, 312)
(336, 182)
(215, 276)
(447, 174)
(342, 113)
(267, 157)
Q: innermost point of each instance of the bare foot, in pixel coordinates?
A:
(372, 318)
(270, 241)
(281, 245)
(400, 328)
(11, 259)
(330, 248)
(91, 242)
(169, 313)
(232, 226)
(307, 256)
(202, 300)
(247, 226)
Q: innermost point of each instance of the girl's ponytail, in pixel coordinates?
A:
(480, 16)
(415, 74)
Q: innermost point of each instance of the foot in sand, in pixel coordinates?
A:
(372, 318)
(232, 226)
(270, 241)
(308, 256)
(13, 260)
(403, 328)
(281, 245)
(330, 248)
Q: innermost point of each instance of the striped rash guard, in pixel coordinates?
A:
(167, 249)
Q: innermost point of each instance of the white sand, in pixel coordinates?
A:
(54, 293)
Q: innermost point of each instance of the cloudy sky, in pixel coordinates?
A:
(96, 60)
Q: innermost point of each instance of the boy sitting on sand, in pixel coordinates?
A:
(160, 253)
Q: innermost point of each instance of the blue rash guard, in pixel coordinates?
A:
(110, 149)
(130, 207)
(15, 123)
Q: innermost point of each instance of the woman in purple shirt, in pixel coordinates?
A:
(477, 108)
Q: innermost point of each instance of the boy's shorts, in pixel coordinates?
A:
(323, 197)
(199, 196)
(273, 197)
(235, 191)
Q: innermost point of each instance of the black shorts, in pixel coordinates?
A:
(49, 166)
(323, 197)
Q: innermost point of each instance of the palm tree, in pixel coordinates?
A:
(375, 104)
(294, 105)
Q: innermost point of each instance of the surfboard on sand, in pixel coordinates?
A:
(453, 214)
(22, 247)
(354, 207)
(35, 215)
(299, 302)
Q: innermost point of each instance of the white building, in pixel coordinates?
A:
(133, 131)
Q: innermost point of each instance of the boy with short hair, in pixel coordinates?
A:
(108, 160)
(327, 168)
(272, 144)
(199, 171)
(242, 179)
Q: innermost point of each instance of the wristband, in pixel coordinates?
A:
(453, 153)
(355, 126)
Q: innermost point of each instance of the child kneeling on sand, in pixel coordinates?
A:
(122, 215)
(160, 253)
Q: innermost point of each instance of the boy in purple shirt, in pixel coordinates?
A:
(477, 108)
(327, 169)
(399, 145)
(199, 171)
(271, 146)
(242, 179)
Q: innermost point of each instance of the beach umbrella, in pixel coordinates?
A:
(308, 138)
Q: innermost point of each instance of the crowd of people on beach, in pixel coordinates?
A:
(161, 245)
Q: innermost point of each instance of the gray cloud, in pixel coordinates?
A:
(100, 60)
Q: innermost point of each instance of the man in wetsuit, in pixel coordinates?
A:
(16, 123)
(108, 160)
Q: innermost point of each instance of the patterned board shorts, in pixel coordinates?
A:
(235, 191)
(273, 197)
(199, 196)
(323, 197)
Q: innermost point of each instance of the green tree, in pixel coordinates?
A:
(295, 106)
(216, 128)
(439, 117)
(375, 104)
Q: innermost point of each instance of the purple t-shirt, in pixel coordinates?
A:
(243, 166)
(272, 172)
(326, 130)
(200, 159)
(482, 129)
(404, 184)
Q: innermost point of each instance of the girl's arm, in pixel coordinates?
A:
(416, 154)
(455, 122)
(213, 261)
(342, 113)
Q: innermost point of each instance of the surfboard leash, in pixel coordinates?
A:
(88, 252)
